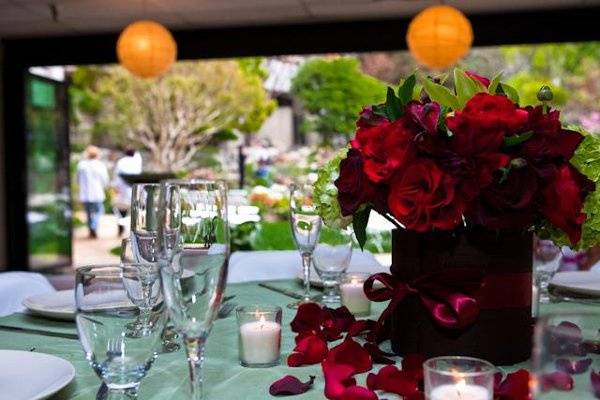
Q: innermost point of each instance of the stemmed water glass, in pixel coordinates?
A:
(145, 199)
(194, 240)
(109, 299)
(169, 335)
(331, 259)
(306, 226)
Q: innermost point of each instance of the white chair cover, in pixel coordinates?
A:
(247, 266)
(17, 286)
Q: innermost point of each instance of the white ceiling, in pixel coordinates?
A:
(23, 18)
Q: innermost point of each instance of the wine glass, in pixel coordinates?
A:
(331, 259)
(144, 222)
(109, 299)
(306, 226)
(546, 261)
(566, 354)
(169, 335)
(194, 238)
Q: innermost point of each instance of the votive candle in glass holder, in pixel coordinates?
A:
(353, 295)
(259, 335)
(458, 378)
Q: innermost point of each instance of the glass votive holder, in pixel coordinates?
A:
(259, 335)
(458, 378)
(353, 295)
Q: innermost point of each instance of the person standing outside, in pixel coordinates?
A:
(92, 178)
(130, 164)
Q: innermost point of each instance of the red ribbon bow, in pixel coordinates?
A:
(448, 295)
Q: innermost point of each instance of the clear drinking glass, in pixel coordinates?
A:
(566, 354)
(546, 260)
(306, 227)
(194, 239)
(109, 299)
(145, 199)
(127, 255)
(331, 259)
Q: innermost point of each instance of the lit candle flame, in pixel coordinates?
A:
(460, 383)
(262, 321)
(354, 281)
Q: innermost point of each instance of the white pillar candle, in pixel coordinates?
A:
(459, 391)
(354, 298)
(260, 342)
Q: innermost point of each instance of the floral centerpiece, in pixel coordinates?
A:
(466, 176)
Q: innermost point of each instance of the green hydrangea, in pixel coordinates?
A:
(325, 194)
(587, 161)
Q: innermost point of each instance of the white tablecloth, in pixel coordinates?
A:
(17, 286)
(245, 266)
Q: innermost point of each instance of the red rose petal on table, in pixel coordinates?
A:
(358, 393)
(573, 366)
(308, 318)
(350, 353)
(595, 380)
(337, 379)
(557, 380)
(377, 355)
(290, 385)
(391, 379)
(362, 326)
(311, 349)
(514, 387)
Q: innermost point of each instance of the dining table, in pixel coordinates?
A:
(224, 377)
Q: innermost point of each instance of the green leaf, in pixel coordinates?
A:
(441, 94)
(393, 105)
(514, 140)
(379, 109)
(494, 83)
(465, 86)
(510, 92)
(359, 223)
(405, 91)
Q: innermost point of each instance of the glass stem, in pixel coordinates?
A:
(195, 357)
(306, 262)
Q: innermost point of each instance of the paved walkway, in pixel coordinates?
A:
(88, 251)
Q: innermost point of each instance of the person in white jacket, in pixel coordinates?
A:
(130, 164)
(92, 177)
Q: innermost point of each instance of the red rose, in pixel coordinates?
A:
(550, 141)
(562, 201)
(422, 197)
(385, 147)
(354, 188)
(495, 112)
(424, 115)
(477, 136)
(368, 118)
(507, 205)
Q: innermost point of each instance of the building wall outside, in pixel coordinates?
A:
(278, 129)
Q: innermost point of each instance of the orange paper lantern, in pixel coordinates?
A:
(439, 36)
(146, 48)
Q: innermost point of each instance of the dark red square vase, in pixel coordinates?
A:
(502, 332)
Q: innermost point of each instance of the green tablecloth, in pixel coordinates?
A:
(225, 379)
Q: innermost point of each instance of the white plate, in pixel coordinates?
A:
(581, 282)
(57, 305)
(26, 375)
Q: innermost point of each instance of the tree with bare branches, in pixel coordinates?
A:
(173, 116)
